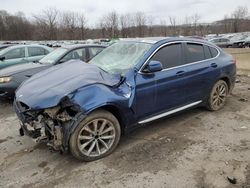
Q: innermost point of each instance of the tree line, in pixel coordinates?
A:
(52, 24)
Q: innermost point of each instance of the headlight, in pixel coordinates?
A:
(5, 79)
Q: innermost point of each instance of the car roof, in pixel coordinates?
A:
(26, 45)
(74, 46)
(155, 40)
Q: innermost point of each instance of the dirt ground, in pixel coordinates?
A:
(242, 55)
(196, 148)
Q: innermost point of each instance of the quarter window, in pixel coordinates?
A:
(207, 52)
(15, 53)
(213, 51)
(169, 56)
(194, 52)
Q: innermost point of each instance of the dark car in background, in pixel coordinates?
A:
(19, 54)
(84, 107)
(12, 77)
(247, 42)
(238, 41)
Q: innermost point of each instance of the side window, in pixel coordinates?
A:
(75, 54)
(194, 53)
(94, 51)
(224, 40)
(15, 53)
(169, 56)
(213, 51)
(207, 52)
(36, 51)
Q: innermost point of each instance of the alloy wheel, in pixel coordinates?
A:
(96, 137)
(219, 95)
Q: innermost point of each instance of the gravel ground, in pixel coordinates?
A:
(196, 148)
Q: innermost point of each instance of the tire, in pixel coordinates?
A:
(218, 95)
(96, 136)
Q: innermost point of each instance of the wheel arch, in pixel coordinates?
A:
(227, 80)
(116, 111)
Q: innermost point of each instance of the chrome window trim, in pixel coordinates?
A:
(169, 112)
(175, 42)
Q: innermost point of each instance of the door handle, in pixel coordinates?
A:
(214, 65)
(180, 73)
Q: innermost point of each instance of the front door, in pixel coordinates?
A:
(162, 91)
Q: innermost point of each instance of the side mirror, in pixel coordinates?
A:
(153, 66)
(2, 58)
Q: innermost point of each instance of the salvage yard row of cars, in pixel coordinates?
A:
(239, 40)
(82, 98)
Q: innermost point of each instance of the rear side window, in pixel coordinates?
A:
(36, 51)
(15, 53)
(76, 54)
(169, 56)
(214, 52)
(194, 53)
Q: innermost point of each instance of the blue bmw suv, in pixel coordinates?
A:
(84, 108)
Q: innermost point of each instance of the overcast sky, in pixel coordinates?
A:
(209, 10)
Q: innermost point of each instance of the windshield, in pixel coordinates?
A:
(120, 57)
(53, 56)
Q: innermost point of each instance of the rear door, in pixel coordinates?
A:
(201, 70)
(36, 53)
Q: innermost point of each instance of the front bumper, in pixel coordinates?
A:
(38, 127)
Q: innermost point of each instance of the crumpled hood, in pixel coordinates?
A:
(47, 88)
(19, 68)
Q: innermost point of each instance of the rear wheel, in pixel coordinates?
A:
(218, 95)
(96, 136)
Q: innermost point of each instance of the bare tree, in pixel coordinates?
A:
(110, 23)
(163, 28)
(48, 23)
(82, 21)
(140, 23)
(172, 21)
(150, 24)
(187, 25)
(239, 13)
(126, 24)
(195, 20)
(69, 24)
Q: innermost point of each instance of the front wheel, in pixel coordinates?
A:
(218, 95)
(96, 136)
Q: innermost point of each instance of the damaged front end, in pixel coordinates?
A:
(51, 125)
